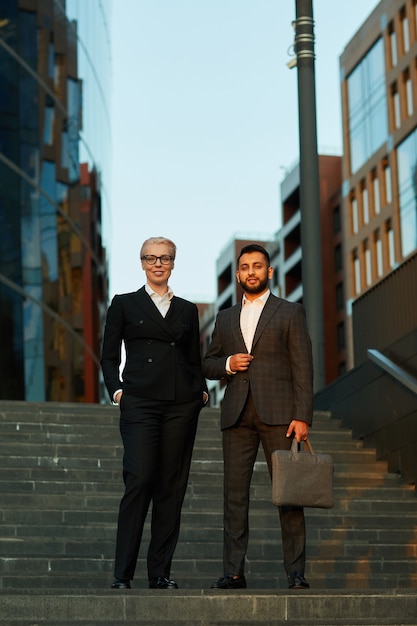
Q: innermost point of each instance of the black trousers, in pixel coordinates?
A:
(240, 447)
(158, 441)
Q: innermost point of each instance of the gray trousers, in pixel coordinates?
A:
(240, 447)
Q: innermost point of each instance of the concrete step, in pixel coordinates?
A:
(208, 608)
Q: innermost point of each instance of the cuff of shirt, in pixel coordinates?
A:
(228, 370)
(115, 394)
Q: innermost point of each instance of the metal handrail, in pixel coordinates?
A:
(393, 370)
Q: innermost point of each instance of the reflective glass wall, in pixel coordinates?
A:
(92, 27)
(367, 106)
(53, 274)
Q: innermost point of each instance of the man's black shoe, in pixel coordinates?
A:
(162, 583)
(121, 584)
(229, 582)
(297, 581)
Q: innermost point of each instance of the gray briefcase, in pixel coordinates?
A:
(302, 478)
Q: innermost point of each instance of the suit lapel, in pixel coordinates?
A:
(145, 302)
(271, 305)
(235, 327)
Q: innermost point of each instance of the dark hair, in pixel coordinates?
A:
(254, 247)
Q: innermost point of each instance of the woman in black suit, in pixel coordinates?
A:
(160, 395)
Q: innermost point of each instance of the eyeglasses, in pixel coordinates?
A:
(151, 259)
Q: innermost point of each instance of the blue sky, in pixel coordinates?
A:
(205, 124)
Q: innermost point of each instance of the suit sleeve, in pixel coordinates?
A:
(214, 361)
(301, 365)
(112, 346)
(194, 352)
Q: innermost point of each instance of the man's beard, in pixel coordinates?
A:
(259, 288)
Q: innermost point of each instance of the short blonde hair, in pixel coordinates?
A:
(168, 242)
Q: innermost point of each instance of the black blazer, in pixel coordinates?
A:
(163, 360)
(281, 373)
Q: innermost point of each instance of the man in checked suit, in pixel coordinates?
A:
(160, 398)
(263, 349)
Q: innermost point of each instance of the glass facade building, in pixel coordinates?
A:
(54, 139)
(379, 105)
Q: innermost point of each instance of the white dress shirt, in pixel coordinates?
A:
(249, 318)
(162, 303)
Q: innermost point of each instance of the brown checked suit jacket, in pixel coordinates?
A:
(281, 374)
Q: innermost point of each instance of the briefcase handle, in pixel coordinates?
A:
(307, 446)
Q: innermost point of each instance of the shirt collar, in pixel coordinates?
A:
(169, 294)
(263, 298)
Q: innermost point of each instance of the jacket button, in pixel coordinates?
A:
(172, 343)
(150, 360)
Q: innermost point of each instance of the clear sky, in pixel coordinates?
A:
(205, 124)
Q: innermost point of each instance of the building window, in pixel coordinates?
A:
(341, 369)
(390, 243)
(368, 264)
(408, 89)
(415, 15)
(387, 181)
(338, 261)
(354, 214)
(337, 224)
(365, 203)
(375, 187)
(356, 272)
(393, 44)
(405, 31)
(396, 105)
(407, 192)
(341, 337)
(378, 255)
(367, 106)
(340, 301)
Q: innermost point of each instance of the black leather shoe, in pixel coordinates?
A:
(229, 582)
(297, 581)
(162, 583)
(121, 584)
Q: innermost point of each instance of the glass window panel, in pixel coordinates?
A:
(48, 229)
(357, 273)
(340, 303)
(393, 45)
(48, 128)
(368, 266)
(51, 68)
(34, 346)
(379, 258)
(406, 33)
(337, 220)
(377, 199)
(407, 192)
(391, 247)
(354, 215)
(409, 95)
(338, 261)
(367, 106)
(341, 336)
(388, 185)
(365, 205)
(74, 104)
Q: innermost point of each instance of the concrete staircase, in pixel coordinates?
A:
(60, 486)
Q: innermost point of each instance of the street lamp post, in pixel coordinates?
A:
(309, 186)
